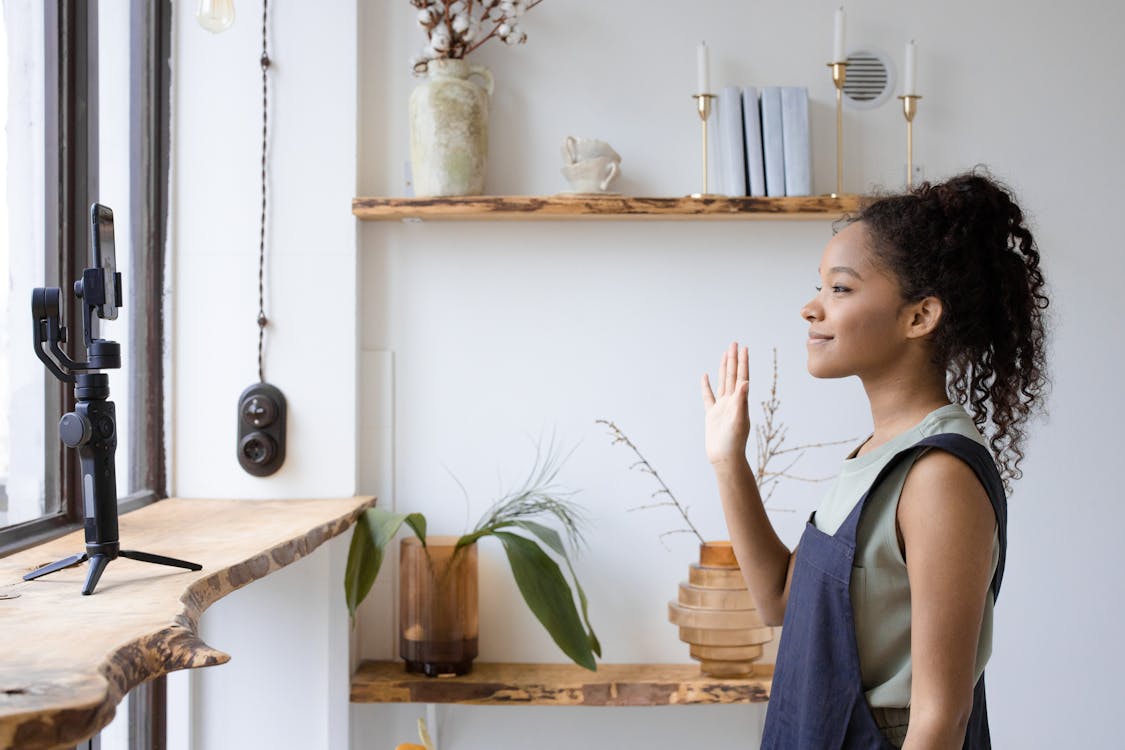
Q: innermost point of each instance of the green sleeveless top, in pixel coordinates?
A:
(880, 588)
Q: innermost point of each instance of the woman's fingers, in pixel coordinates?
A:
(723, 375)
(743, 364)
(732, 367)
(708, 394)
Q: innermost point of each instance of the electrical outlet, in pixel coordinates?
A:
(261, 429)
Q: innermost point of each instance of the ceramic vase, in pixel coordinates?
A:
(716, 615)
(437, 606)
(449, 129)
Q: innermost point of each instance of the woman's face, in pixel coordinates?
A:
(857, 320)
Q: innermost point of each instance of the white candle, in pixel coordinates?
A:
(908, 86)
(838, 54)
(704, 69)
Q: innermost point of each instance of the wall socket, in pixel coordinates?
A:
(261, 429)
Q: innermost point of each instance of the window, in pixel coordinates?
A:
(23, 493)
(84, 99)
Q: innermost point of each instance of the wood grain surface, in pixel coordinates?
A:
(564, 207)
(560, 685)
(66, 660)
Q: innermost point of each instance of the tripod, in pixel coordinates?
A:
(92, 426)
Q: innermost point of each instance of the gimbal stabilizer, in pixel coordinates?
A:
(91, 427)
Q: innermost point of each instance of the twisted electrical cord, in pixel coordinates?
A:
(263, 321)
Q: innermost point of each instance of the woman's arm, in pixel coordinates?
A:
(765, 561)
(947, 526)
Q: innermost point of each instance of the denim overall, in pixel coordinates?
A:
(817, 701)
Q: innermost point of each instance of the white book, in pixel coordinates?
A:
(795, 138)
(773, 148)
(714, 152)
(752, 129)
(732, 165)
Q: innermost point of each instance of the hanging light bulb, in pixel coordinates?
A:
(215, 15)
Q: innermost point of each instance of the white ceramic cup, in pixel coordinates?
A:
(579, 149)
(591, 175)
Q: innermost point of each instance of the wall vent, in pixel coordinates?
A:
(870, 80)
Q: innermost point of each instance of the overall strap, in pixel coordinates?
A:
(979, 460)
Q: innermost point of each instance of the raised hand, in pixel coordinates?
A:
(727, 426)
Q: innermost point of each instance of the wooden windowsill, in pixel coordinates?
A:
(602, 207)
(66, 660)
(560, 685)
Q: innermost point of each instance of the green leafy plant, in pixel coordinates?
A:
(515, 520)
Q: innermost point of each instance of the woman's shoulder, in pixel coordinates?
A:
(950, 418)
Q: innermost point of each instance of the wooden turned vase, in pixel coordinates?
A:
(716, 615)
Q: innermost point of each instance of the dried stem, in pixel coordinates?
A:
(771, 435)
(643, 465)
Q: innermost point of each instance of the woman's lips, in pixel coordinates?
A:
(817, 338)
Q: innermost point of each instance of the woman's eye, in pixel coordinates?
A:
(840, 289)
(819, 287)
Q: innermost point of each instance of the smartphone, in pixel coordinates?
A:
(101, 243)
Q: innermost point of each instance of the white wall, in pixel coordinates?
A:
(475, 336)
(287, 682)
(486, 333)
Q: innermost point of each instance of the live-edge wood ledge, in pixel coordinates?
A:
(66, 660)
(560, 685)
(604, 207)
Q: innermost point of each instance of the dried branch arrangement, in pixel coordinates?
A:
(642, 465)
(769, 441)
(455, 28)
(769, 434)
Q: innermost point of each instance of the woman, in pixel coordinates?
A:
(934, 300)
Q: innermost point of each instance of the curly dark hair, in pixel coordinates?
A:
(965, 242)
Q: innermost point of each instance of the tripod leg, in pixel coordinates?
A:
(159, 559)
(97, 566)
(66, 562)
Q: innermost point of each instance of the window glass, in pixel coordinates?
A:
(22, 264)
(113, 191)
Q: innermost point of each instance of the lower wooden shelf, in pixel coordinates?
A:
(560, 685)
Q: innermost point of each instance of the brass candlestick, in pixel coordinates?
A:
(909, 109)
(839, 74)
(703, 106)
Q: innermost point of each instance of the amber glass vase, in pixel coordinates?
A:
(437, 606)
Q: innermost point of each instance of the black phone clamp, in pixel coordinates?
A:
(92, 426)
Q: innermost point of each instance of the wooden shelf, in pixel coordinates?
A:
(604, 207)
(66, 660)
(559, 685)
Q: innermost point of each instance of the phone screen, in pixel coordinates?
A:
(101, 230)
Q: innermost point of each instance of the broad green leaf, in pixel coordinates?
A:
(546, 534)
(551, 538)
(548, 595)
(359, 575)
(417, 522)
(374, 530)
(478, 534)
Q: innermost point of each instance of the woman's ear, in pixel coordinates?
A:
(923, 317)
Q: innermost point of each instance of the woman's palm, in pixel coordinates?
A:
(727, 420)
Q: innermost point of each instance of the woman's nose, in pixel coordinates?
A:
(811, 310)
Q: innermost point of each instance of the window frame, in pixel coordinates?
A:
(71, 177)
